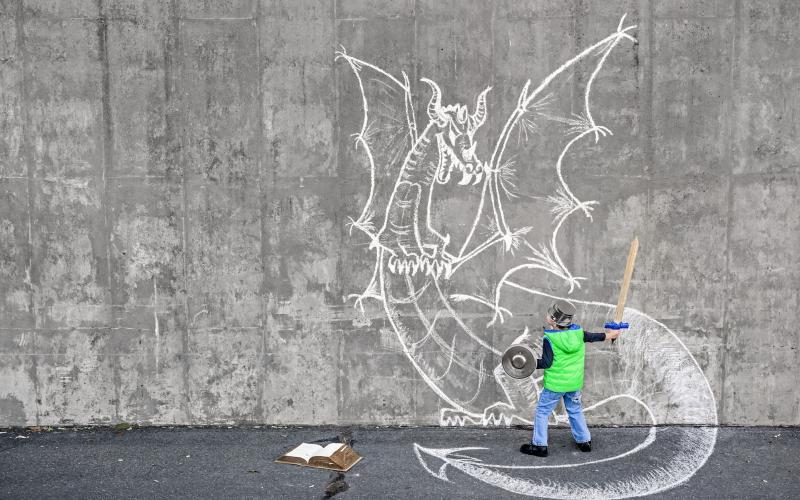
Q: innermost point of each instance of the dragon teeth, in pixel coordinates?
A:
(434, 269)
(423, 265)
(414, 266)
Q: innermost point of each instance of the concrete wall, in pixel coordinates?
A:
(176, 180)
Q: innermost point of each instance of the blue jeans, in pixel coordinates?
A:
(572, 402)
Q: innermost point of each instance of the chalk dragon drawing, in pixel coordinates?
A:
(427, 272)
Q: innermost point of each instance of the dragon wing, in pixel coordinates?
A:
(541, 134)
(387, 133)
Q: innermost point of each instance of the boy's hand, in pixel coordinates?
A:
(612, 334)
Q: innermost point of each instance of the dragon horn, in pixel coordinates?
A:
(477, 118)
(435, 104)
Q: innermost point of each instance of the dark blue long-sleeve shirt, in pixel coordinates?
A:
(546, 360)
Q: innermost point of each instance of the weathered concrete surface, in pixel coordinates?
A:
(176, 179)
(238, 463)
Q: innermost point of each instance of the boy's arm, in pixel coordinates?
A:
(599, 337)
(546, 361)
(593, 337)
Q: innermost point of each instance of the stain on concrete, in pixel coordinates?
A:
(146, 244)
(12, 411)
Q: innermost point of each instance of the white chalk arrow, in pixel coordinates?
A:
(686, 451)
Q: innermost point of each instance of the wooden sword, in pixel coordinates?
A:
(617, 324)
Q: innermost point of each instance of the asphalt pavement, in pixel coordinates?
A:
(399, 462)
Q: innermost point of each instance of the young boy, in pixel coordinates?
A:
(562, 361)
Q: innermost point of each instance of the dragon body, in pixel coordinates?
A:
(425, 275)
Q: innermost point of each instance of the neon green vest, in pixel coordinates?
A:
(566, 372)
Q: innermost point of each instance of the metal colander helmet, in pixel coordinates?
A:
(562, 312)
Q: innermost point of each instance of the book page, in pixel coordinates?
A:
(345, 457)
(304, 451)
(329, 450)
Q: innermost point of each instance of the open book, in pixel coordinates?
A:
(335, 456)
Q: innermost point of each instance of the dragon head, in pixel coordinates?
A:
(455, 141)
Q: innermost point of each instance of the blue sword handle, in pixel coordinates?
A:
(613, 325)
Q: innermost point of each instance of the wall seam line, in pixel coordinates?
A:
(107, 145)
(27, 156)
(259, 409)
(730, 157)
